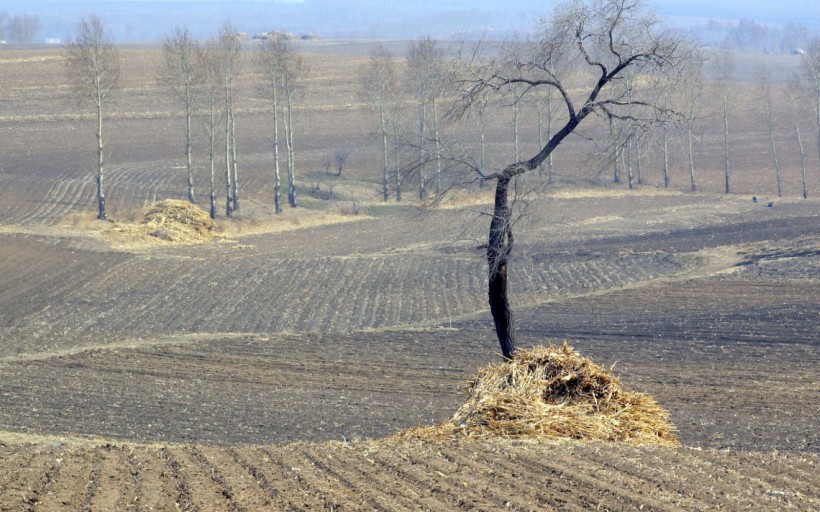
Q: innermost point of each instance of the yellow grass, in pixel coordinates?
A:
(289, 220)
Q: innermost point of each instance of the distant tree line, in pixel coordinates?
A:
(20, 28)
(748, 35)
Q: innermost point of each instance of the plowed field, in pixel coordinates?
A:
(268, 368)
(388, 476)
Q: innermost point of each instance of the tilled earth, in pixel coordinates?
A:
(384, 475)
(211, 378)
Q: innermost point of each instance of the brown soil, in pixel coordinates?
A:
(263, 372)
(485, 475)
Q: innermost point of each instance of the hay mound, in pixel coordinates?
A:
(552, 392)
(170, 220)
(178, 221)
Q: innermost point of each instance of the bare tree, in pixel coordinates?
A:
(293, 70)
(811, 74)
(424, 77)
(180, 77)
(794, 97)
(613, 141)
(230, 50)
(724, 68)
(339, 159)
(765, 96)
(269, 59)
(606, 38)
(93, 69)
(209, 65)
(691, 91)
(546, 108)
(479, 110)
(379, 87)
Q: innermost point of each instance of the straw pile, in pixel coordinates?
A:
(552, 392)
(175, 220)
(170, 220)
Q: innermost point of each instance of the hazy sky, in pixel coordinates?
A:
(148, 19)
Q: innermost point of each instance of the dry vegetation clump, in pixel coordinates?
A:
(545, 393)
(171, 220)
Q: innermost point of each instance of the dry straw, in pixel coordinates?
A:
(171, 220)
(545, 393)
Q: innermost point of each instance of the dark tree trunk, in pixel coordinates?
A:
(498, 250)
(500, 241)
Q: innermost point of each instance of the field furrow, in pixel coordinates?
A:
(154, 487)
(436, 494)
(36, 486)
(391, 482)
(245, 490)
(647, 474)
(307, 486)
(19, 475)
(510, 476)
(598, 492)
(117, 483)
(489, 491)
(751, 482)
(257, 467)
(185, 498)
(457, 493)
(372, 497)
(204, 482)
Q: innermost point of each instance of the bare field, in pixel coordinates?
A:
(267, 368)
(387, 476)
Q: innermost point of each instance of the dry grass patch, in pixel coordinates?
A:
(585, 193)
(170, 220)
(261, 220)
(545, 393)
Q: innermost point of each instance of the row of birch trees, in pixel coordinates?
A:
(201, 77)
(412, 98)
(205, 75)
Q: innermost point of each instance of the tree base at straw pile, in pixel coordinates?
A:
(544, 393)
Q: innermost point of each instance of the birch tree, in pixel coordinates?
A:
(93, 69)
(180, 77)
(292, 71)
(424, 78)
(691, 91)
(765, 98)
(723, 66)
(208, 62)
(604, 39)
(379, 86)
(269, 58)
(230, 50)
(811, 74)
(794, 95)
